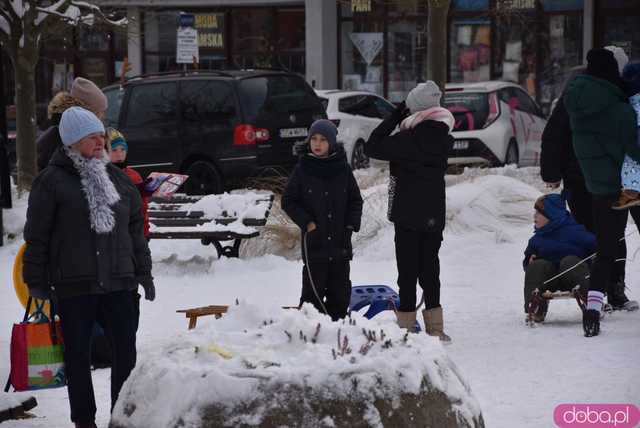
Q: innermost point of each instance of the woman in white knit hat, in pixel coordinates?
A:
(418, 160)
(86, 250)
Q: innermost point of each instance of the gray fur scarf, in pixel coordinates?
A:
(98, 188)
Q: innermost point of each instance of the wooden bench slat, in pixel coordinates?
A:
(192, 234)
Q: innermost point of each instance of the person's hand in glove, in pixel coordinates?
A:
(402, 110)
(149, 288)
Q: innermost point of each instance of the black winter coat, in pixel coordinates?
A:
(324, 191)
(62, 249)
(557, 158)
(47, 144)
(418, 162)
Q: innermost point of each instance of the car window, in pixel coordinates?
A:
(273, 95)
(384, 108)
(361, 105)
(114, 100)
(324, 102)
(525, 103)
(152, 104)
(347, 104)
(207, 105)
(470, 109)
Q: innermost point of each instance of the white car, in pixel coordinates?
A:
(356, 114)
(497, 123)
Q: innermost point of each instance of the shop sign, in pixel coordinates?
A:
(368, 44)
(516, 4)
(187, 46)
(210, 28)
(360, 5)
(186, 20)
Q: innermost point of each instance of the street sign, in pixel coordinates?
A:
(186, 20)
(187, 46)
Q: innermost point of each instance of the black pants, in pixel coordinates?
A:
(332, 284)
(581, 205)
(539, 271)
(609, 228)
(78, 315)
(418, 261)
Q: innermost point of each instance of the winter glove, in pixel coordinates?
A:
(347, 242)
(149, 288)
(401, 110)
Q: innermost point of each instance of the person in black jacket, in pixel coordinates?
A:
(86, 250)
(559, 165)
(323, 199)
(418, 160)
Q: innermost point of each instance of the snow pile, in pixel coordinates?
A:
(492, 204)
(253, 347)
(13, 219)
(237, 205)
(9, 401)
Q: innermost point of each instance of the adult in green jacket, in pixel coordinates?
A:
(604, 130)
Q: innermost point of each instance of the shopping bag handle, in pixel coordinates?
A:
(40, 311)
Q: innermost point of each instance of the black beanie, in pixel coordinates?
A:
(327, 129)
(602, 64)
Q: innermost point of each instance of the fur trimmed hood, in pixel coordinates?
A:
(61, 102)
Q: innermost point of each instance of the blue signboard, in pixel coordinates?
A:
(555, 5)
(470, 4)
(186, 20)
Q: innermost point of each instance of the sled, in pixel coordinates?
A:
(539, 301)
(20, 287)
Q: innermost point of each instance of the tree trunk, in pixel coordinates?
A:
(437, 44)
(25, 76)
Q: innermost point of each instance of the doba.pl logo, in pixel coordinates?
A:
(596, 415)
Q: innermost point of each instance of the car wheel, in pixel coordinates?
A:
(204, 179)
(511, 157)
(359, 159)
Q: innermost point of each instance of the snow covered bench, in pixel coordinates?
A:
(213, 219)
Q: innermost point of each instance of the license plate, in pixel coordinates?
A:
(460, 145)
(293, 132)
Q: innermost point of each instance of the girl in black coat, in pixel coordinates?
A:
(323, 199)
(418, 161)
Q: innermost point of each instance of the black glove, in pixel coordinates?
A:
(347, 241)
(38, 291)
(149, 288)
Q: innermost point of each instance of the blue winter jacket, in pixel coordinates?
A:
(561, 237)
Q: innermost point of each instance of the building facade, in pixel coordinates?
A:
(374, 45)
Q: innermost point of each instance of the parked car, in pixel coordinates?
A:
(496, 123)
(214, 126)
(356, 114)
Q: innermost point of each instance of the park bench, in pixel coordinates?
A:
(180, 218)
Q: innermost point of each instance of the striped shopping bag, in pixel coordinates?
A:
(37, 352)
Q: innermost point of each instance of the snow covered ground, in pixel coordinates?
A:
(518, 374)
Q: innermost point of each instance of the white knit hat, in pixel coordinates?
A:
(76, 123)
(621, 57)
(424, 96)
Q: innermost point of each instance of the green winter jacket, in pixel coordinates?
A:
(604, 130)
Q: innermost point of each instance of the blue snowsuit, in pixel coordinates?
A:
(631, 169)
(561, 237)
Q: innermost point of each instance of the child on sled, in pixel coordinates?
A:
(558, 244)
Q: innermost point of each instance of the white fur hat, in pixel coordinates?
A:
(619, 54)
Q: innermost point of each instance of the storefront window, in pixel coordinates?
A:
(407, 53)
(93, 38)
(362, 55)
(562, 51)
(290, 43)
(470, 50)
(160, 41)
(624, 32)
(515, 53)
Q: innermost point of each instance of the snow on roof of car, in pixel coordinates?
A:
(488, 86)
(342, 93)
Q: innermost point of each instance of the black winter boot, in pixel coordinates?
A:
(619, 300)
(591, 322)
